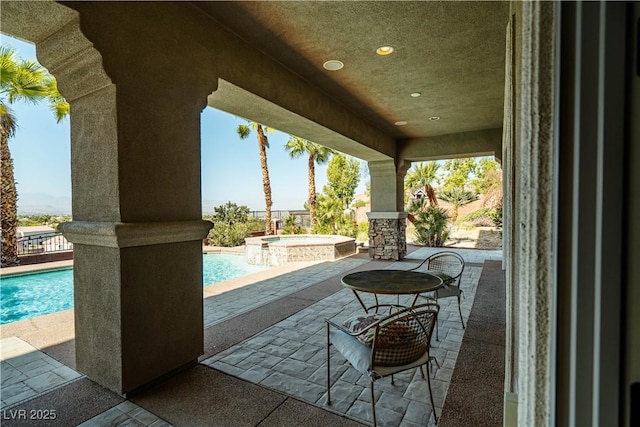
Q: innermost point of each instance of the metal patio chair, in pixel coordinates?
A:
(378, 346)
(449, 267)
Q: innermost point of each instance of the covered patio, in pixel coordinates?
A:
(551, 89)
(266, 362)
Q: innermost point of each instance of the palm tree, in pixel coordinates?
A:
(430, 223)
(421, 177)
(458, 196)
(330, 212)
(263, 143)
(28, 81)
(297, 147)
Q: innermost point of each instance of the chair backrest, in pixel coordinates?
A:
(405, 336)
(449, 263)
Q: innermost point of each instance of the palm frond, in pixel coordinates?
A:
(7, 67)
(28, 81)
(243, 131)
(7, 120)
(265, 129)
(57, 104)
(60, 108)
(296, 147)
(458, 196)
(321, 154)
(422, 175)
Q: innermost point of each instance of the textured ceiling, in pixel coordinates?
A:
(451, 52)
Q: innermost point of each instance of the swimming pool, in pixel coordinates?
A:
(30, 295)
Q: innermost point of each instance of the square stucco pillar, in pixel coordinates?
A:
(137, 231)
(137, 222)
(138, 301)
(387, 219)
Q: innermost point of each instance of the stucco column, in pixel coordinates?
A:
(387, 219)
(137, 223)
(137, 235)
(531, 271)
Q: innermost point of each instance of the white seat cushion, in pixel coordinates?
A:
(354, 350)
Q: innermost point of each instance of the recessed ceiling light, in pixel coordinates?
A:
(401, 123)
(415, 94)
(333, 65)
(384, 50)
(434, 118)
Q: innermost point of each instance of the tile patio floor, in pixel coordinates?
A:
(290, 357)
(287, 357)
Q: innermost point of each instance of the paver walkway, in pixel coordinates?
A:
(220, 305)
(290, 357)
(27, 372)
(287, 357)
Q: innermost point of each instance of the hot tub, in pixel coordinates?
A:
(278, 250)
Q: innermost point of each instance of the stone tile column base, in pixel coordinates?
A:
(387, 235)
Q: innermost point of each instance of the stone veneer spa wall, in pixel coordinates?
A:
(278, 250)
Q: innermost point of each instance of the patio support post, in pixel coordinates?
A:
(137, 223)
(387, 219)
(531, 272)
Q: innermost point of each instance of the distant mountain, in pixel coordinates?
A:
(44, 204)
(39, 204)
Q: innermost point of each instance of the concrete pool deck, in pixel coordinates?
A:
(35, 268)
(197, 396)
(56, 330)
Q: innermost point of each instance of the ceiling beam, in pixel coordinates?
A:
(484, 142)
(334, 130)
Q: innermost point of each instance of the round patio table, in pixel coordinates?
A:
(390, 282)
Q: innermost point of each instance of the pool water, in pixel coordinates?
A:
(30, 295)
(219, 267)
(35, 294)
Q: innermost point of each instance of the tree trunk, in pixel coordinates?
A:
(431, 194)
(9, 199)
(454, 213)
(266, 183)
(312, 191)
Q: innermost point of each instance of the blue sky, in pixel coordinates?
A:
(230, 166)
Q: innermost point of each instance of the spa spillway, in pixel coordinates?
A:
(278, 250)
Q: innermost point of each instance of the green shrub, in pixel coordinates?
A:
(339, 224)
(362, 234)
(290, 226)
(232, 224)
(228, 235)
(346, 226)
(322, 228)
(430, 223)
(431, 227)
(231, 213)
(485, 217)
(50, 220)
(254, 225)
(359, 204)
(496, 216)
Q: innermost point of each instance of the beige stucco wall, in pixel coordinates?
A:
(531, 273)
(508, 229)
(465, 144)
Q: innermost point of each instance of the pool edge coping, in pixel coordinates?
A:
(22, 270)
